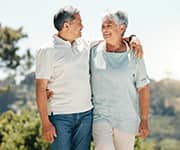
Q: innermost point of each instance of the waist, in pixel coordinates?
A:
(57, 110)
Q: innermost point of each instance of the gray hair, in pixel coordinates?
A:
(117, 16)
(65, 14)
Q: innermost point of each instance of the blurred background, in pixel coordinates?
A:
(27, 25)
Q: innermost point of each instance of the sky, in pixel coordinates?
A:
(155, 22)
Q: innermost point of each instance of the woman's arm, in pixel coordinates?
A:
(144, 107)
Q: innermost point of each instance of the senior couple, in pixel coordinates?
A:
(99, 87)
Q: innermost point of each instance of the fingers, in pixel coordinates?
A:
(143, 132)
(135, 40)
(139, 52)
(143, 129)
(48, 137)
(49, 93)
(54, 132)
(137, 49)
(49, 134)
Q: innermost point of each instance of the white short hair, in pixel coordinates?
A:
(118, 16)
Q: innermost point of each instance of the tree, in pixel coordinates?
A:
(13, 62)
(164, 92)
(8, 95)
(29, 80)
(9, 57)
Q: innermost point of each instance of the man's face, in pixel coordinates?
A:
(110, 30)
(76, 27)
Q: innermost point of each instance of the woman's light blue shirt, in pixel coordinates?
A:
(115, 78)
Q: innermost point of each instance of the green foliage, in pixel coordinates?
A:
(141, 144)
(168, 144)
(21, 131)
(149, 145)
(92, 145)
(138, 144)
(9, 57)
(8, 49)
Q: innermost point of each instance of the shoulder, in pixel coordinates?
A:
(95, 47)
(45, 51)
(94, 44)
(48, 46)
(81, 41)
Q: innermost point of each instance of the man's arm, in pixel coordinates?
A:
(135, 45)
(144, 106)
(48, 130)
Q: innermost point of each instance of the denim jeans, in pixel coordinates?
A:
(73, 131)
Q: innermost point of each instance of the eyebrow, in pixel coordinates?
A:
(107, 24)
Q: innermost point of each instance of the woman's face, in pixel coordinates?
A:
(111, 31)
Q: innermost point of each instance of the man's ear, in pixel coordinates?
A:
(66, 26)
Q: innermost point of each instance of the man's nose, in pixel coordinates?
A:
(82, 26)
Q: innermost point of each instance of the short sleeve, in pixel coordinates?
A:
(142, 78)
(44, 67)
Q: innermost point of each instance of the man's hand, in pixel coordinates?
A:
(143, 129)
(48, 132)
(136, 46)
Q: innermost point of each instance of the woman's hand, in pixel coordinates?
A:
(49, 93)
(143, 129)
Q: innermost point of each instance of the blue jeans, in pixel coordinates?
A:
(73, 131)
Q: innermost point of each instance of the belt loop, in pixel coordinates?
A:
(52, 114)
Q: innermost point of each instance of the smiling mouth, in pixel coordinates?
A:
(106, 35)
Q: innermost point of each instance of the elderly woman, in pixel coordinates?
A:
(120, 88)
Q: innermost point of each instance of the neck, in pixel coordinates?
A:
(116, 46)
(65, 37)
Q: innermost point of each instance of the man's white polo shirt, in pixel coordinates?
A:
(66, 67)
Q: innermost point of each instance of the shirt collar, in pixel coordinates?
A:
(60, 41)
(80, 44)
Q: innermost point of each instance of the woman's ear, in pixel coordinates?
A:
(122, 27)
